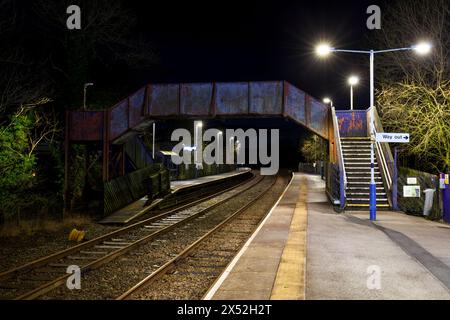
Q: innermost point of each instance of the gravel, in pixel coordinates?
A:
(111, 280)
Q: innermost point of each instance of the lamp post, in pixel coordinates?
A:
(84, 93)
(352, 81)
(197, 141)
(328, 101)
(324, 50)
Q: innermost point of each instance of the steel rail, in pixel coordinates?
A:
(63, 253)
(40, 290)
(172, 263)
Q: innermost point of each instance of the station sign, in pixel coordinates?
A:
(411, 191)
(392, 137)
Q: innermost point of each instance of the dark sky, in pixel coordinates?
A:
(259, 40)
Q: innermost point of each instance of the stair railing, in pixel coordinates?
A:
(340, 156)
(384, 154)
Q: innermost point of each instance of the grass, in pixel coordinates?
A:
(32, 227)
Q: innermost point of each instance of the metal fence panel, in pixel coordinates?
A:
(294, 103)
(136, 104)
(196, 98)
(319, 117)
(163, 99)
(232, 98)
(119, 119)
(352, 123)
(266, 98)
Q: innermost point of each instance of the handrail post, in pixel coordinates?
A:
(394, 182)
(342, 173)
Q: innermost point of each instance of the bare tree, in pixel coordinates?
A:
(404, 24)
(414, 91)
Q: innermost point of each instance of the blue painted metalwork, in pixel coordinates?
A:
(341, 189)
(373, 202)
(394, 182)
(446, 199)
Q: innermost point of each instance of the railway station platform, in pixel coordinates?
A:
(305, 250)
(140, 206)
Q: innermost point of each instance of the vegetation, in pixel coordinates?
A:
(44, 66)
(414, 91)
(314, 149)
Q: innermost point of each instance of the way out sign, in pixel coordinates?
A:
(392, 137)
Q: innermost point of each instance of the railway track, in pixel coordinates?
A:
(203, 260)
(38, 277)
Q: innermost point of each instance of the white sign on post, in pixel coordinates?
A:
(392, 137)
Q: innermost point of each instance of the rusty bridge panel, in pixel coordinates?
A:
(163, 100)
(85, 125)
(119, 119)
(294, 103)
(352, 123)
(319, 117)
(271, 98)
(196, 98)
(266, 97)
(136, 105)
(232, 98)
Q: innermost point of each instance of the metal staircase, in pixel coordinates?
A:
(356, 156)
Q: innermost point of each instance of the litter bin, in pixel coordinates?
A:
(429, 193)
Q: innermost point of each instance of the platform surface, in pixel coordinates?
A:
(271, 263)
(138, 207)
(347, 256)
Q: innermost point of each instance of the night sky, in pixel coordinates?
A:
(258, 40)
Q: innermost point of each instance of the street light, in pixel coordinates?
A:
(328, 101)
(84, 95)
(325, 49)
(422, 48)
(352, 81)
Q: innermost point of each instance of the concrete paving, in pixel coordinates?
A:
(271, 265)
(346, 251)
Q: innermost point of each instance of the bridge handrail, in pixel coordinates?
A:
(340, 156)
(383, 150)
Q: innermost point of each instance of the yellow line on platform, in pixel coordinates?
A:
(290, 280)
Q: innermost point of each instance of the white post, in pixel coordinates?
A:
(351, 97)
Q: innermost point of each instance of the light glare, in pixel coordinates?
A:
(422, 48)
(353, 80)
(323, 49)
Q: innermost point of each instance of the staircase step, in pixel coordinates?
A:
(362, 178)
(361, 168)
(379, 199)
(355, 173)
(350, 152)
(363, 188)
(365, 205)
(353, 183)
(364, 193)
